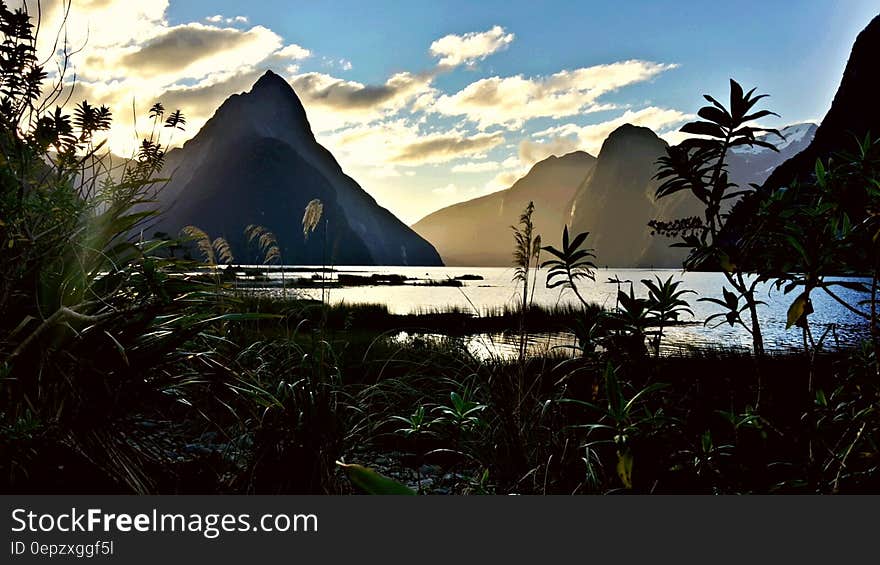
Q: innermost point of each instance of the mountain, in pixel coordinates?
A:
(256, 161)
(616, 202)
(854, 111)
(612, 197)
(477, 232)
(753, 165)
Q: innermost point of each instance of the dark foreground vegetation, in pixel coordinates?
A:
(124, 369)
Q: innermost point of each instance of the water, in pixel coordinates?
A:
(498, 290)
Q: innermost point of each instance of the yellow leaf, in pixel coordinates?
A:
(372, 482)
(624, 468)
(726, 264)
(796, 310)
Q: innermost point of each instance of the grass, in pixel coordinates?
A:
(276, 414)
(453, 320)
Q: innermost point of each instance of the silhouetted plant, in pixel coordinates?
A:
(624, 420)
(417, 426)
(93, 321)
(202, 241)
(733, 306)
(630, 320)
(266, 242)
(176, 120)
(525, 251)
(811, 230)
(666, 304)
(571, 263)
(311, 218)
(699, 165)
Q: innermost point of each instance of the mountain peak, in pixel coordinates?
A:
(627, 137)
(270, 108)
(631, 130)
(575, 158)
(270, 79)
(256, 161)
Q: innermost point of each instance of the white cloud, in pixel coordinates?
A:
(511, 101)
(94, 23)
(218, 19)
(445, 146)
(334, 102)
(186, 51)
(589, 138)
(294, 51)
(530, 152)
(392, 132)
(470, 47)
(448, 190)
(476, 167)
(401, 143)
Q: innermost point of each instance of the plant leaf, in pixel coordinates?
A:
(372, 482)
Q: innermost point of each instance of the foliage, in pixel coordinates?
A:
(266, 241)
(698, 165)
(372, 482)
(294, 417)
(312, 216)
(666, 304)
(571, 263)
(812, 230)
(525, 250)
(623, 420)
(135, 371)
(95, 322)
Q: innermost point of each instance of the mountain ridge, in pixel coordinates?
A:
(477, 231)
(367, 233)
(447, 229)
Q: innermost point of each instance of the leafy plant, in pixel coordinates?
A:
(698, 165)
(571, 263)
(623, 420)
(373, 482)
(526, 249)
(462, 413)
(666, 304)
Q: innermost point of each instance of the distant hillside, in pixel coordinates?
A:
(256, 161)
(617, 201)
(612, 197)
(753, 165)
(477, 232)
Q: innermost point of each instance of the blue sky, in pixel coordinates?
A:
(422, 124)
(795, 50)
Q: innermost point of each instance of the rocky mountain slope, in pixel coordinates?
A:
(256, 161)
(477, 232)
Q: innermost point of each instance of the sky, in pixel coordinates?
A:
(430, 103)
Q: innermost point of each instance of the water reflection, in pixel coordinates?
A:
(495, 289)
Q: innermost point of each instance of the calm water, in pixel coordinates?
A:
(497, 290)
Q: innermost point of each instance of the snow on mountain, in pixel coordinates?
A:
(794, 135)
